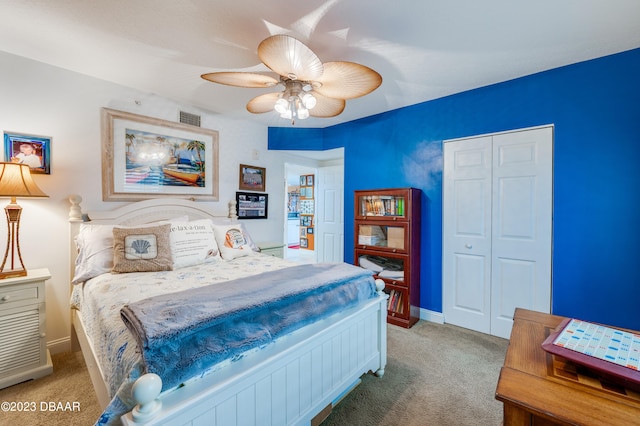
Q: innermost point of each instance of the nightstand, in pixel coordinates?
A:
(271, 248)
(24, 353)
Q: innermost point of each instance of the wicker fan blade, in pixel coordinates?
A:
(326, 107)
(241, 79)
(263, 103)
(347, 80)
(290, 58)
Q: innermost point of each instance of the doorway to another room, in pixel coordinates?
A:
(314, 207)
(300, 213)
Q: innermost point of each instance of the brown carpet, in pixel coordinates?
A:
(436, 375)
(69, 383)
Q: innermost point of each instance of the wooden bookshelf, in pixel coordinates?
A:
(387, 241)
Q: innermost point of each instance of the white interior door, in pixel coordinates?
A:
(467, 233)
(497, 243)
(521, 232)
(329, 237)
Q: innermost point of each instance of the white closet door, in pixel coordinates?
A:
(467, 233)
(497, 228)
(521, 231)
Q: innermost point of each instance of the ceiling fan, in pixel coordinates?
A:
(311, 88)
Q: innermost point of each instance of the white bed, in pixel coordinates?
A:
(292, 381)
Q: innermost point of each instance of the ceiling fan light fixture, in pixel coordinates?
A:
(303, 113)
(295, 102)
(287, 115)
(308, 100)
(282, 106)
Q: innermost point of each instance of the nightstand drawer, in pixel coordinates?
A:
(10, 296)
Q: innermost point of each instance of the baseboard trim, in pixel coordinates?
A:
(432, 316)
(59, 345)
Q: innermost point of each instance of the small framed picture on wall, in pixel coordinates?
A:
(252, 178)
(251, 205)
(31, 150)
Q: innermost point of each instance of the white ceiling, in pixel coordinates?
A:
(424, 49)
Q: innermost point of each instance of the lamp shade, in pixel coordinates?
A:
(16, 181)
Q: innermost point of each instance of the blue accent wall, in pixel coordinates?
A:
(595, 108)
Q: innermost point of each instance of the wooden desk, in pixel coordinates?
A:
(538, 388)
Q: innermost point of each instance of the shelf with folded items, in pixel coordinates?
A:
(391, 268)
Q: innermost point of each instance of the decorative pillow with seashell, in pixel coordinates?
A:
(142, 249)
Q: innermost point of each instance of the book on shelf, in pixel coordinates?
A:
(394, 303)
(399, 305)
(379, 205)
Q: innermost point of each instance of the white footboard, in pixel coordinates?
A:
(288, 383)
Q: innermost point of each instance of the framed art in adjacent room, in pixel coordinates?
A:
(252, 178)
(31, 150)
(251, 205)
(145, 157)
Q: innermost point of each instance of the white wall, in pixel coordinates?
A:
(40, 99)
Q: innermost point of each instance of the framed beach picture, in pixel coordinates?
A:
(144, 157)
(252, 205)
(31, 150)
(252, 178)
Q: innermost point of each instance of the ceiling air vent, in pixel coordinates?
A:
(188, 118)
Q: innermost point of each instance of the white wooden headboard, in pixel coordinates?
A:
(148, 211)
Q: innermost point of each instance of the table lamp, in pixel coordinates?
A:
(15, 181)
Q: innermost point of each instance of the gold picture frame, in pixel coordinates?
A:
(145, 157)
(252, 178)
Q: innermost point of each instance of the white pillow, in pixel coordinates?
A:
(232, 241)
(193, 243)
(95, 249)
(246, 234)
